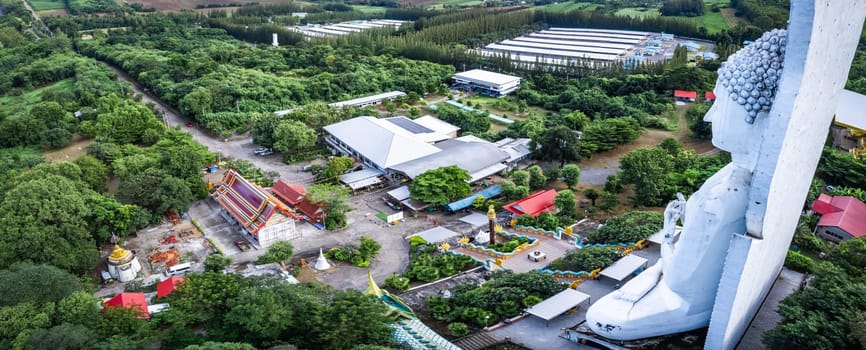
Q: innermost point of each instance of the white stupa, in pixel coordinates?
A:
(321, 262)
(123, 265)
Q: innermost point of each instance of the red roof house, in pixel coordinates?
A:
(684, 95)
(532, 205)
(291, 194)
(165, 288)
(134, 301)
(295, 195)
(709, 96)
(842, 217)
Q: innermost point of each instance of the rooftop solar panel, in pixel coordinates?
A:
(409, 125)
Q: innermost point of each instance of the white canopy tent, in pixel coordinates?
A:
(624, 267)
(558, 304)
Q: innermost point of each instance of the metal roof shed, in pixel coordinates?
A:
(624, 267)
(558, 304)
(466, 202)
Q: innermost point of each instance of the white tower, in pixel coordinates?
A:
(275, 43)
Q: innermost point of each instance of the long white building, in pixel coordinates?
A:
(486, 82)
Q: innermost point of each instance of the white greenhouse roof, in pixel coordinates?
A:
(367, 99)
(547, 52)
(851, 110)
(487, 76)
(593, 30)
(597, 35)
(587, 43)
(624, 267)
(570, 48)
(558, 304)
(575, 37)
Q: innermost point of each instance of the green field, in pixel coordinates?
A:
(457, 3)
(42, 5)
(377, 10)
(570, 6)
(640, 12)
(33, 97)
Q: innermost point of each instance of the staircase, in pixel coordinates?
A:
(476, 341)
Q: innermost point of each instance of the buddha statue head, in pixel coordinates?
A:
(745, 91)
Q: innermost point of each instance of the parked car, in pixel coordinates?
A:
(264, 151)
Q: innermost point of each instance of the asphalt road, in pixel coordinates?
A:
(240, 147)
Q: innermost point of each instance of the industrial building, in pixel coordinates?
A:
(344, 28)
(359, 102)
(486, 82)
(400, 149)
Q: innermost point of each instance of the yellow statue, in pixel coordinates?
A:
(491, 214)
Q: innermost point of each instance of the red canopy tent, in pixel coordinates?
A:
(165, 288)
(685, 95)
(134, 301)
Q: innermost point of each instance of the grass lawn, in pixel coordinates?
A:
(33, 97)
(42, 5)
(369, 9)
(570, 6)
(639, 12)
(457, 3)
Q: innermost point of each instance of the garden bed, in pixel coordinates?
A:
(514, 244)
(428, 264)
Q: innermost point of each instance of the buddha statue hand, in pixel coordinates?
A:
(674, 211)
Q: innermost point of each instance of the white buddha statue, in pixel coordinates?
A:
(677, 293)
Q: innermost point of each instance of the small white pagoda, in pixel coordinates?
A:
(123, 265)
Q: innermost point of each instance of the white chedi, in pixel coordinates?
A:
(123, 265)
(322, 263)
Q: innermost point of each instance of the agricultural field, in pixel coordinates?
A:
(377, 10)
(640, 12)
(32, 97)
(43, 5)
(570, 6)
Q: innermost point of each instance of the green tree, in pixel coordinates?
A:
(559, 143)
(221, 346)
(565, 202)
(278, 252)
(291, 135)
(78, 308)
(520, 178)
(353, 318)
(513, 192)
(608, 201)
(440, 186)
(260, 313)
(44, 221)
(458, 329)
(647, 168)
(695, 118)
(62, 337)
(39, 284)
(125, 121)
(216, 262)
(55, 138)
(335, 200)
(537, 180)
(628, 228)
(570, 174)
(591, 194)
(93, 172)
(335, 167)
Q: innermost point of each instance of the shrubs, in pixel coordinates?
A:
(798, 262)
(546, 220)
(586, 259)
(509, 246)
(358, 256)
(458, 329)
(628, 228)
(397, 282)
(427, 268)
(486, 304)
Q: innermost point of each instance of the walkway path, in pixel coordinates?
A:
(35, 19)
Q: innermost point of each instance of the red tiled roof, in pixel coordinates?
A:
(533, 204)
(685, 94)
(165, 288)
(709, 95)
(135, 301)
(291, 194)
(846, 212)
(245, 201)
(311, 210)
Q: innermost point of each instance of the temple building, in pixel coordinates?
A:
(532, 205)
(123, 265)
(842, 217)
(261, 218)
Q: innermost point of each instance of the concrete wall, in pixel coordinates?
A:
(822, 37)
